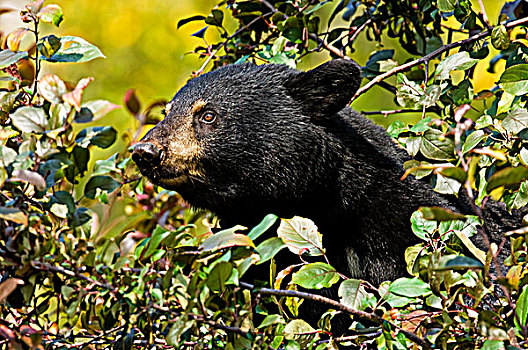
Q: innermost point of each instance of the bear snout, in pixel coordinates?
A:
(147, 154)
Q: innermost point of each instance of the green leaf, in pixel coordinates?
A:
(353, 294)
(271, 319)
(514, 80)
(521, 310)
(60, 210)
(282, 58)
(51, 14)
(7, 156)
(297, 328)
(82, 216)
(516, 120)
(49, 45)
(410, 287)
(65, 198)
(74, 49)
(104, 166)
(51, 88)
(158, 235)
(301, 236)
(316, 276)
(269, 248)
(520, 198)
(440, 214)
(458, 262)
(227, 238)
(409, 93)
(201, 33)
(473, 140)
(13, 214)
(94, 110)
(30, 177)
(100, 136)
(102, 182)
(422, 125)
(421, 227)
(178, 327)
(457, 61)
(184, 21)
(30, 119)
(483, 122)
(490, 344)
(446, 185)
(500, 38)
(396, 128)
(80, 157)
(8, 57)
(219, 275)
(435, 145)
(446, 5)
(506, 177)
(263, 226)
(215, 18)
(454, 173)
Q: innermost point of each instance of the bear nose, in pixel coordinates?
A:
(147, 153)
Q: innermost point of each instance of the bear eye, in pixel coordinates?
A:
(208, 118)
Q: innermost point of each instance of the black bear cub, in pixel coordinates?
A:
(246, 140)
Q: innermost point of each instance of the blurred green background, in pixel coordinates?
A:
(146, 51)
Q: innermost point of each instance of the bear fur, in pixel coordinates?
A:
(246, 140)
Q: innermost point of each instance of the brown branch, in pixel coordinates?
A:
(329, 47)
(338, 306)
(202, 319)
(57, 269)
(397, 111)
(432, 55)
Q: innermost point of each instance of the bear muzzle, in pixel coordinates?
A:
(147, 154)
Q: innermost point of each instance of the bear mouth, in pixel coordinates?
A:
(165, 178)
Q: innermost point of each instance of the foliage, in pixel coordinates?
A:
(92, 256)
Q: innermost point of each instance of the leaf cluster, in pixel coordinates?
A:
(91, 256)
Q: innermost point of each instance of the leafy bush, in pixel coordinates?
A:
(92, 256)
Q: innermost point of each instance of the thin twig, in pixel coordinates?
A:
(397, 111)
(329, 47)
(432, 55)
(57, 269)
(213, 54)
(359, 30)
(338, 306)
(216, 325)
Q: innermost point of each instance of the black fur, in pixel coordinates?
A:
(285, 142)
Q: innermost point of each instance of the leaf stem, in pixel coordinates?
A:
(37, 61)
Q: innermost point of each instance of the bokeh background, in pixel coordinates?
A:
(147, 52)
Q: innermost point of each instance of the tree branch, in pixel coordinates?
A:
(57, 269)
(397, 111)
(338, 306)
(432, 55)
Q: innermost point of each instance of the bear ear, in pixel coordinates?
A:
(326, 89)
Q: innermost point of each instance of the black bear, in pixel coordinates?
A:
(247, 140)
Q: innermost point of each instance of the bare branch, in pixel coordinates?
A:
(338, 306)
